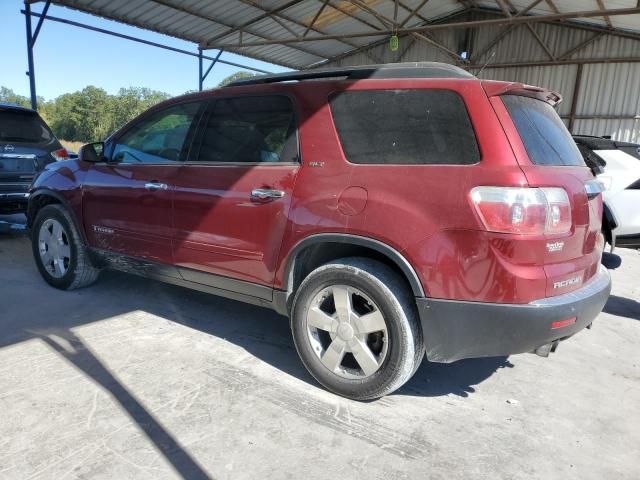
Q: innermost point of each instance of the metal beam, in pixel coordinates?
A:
(423, 37)
(318, 13)
(138, 40)
(413, 13)
(574, 98)
(40, 22)
(252, 21)
(445, 26)
(346, 13)
(31, 73)
(606, 17)
(377, 43)
(200, 16)
(206, 74)
(507, 7)
(280, 16)
(581, 45)
(577, 61)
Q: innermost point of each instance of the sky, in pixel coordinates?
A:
(69, 58)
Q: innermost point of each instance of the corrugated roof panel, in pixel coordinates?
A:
(203, 20)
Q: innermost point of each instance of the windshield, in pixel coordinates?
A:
(23, 126)
(547, 140)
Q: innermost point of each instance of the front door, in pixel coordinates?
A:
(232, 198)
(127, 200)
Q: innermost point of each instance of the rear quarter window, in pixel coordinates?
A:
(546, 139)
(411, 127)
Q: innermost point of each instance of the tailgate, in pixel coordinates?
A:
(548, 156)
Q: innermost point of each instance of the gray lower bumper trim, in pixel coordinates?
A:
(456, 329)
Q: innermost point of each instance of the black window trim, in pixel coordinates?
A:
(208, 105)
(383, 165)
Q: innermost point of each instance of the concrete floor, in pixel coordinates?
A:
(136, 379)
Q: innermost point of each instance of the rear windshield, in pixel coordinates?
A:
(23, 126)
(547, 140)
(404, 127)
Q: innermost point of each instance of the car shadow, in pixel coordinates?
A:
(623, 307)
(267, 336)
(458, 378)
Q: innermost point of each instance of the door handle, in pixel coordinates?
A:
(153, 186)
(264, 195)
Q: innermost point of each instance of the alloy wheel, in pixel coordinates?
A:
(347, 332)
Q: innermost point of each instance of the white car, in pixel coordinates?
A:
(617, 166)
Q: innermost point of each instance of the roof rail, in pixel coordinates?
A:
(389, 70)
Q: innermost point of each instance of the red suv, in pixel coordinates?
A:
(389, 211)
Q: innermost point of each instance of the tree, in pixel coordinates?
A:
(234, 77)
(9, 96)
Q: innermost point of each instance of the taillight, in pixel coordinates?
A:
(60, 154)
(522, 210)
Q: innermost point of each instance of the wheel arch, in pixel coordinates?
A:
(316, 250)
(43, 197)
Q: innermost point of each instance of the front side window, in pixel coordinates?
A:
(411, 127)
(160, 138)
(249, 130)
(546, 139)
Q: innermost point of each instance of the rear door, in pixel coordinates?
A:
(127, 200)
(232, 197)
(549, 157)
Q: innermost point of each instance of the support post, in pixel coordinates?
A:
(574, 98)
(31, 73)
(200, 79)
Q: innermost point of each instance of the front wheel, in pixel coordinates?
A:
(58, 250)
(355, 328)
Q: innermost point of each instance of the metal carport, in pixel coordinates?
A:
(589, 50)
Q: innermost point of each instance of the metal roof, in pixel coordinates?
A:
(306, 33)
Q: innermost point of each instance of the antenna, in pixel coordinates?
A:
(493, 54)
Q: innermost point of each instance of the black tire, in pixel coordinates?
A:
(79, 271)
(392, 296)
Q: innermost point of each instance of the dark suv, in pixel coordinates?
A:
(27, 145)
(389, 211)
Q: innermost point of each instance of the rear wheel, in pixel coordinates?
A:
(58, 250)
(355, 327)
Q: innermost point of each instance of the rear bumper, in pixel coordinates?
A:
(454, 329)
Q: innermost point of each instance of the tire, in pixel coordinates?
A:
(75, 270)
(334, 353)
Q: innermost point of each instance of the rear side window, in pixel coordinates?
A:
(249, 130)
(546, 139)
(23, 126)
(411, 127)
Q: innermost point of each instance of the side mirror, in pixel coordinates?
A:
(92, 152)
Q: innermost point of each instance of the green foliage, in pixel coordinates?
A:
(90, 114)
(234, 77)
(9, 96)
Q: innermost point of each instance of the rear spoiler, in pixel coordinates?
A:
(494, 88)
